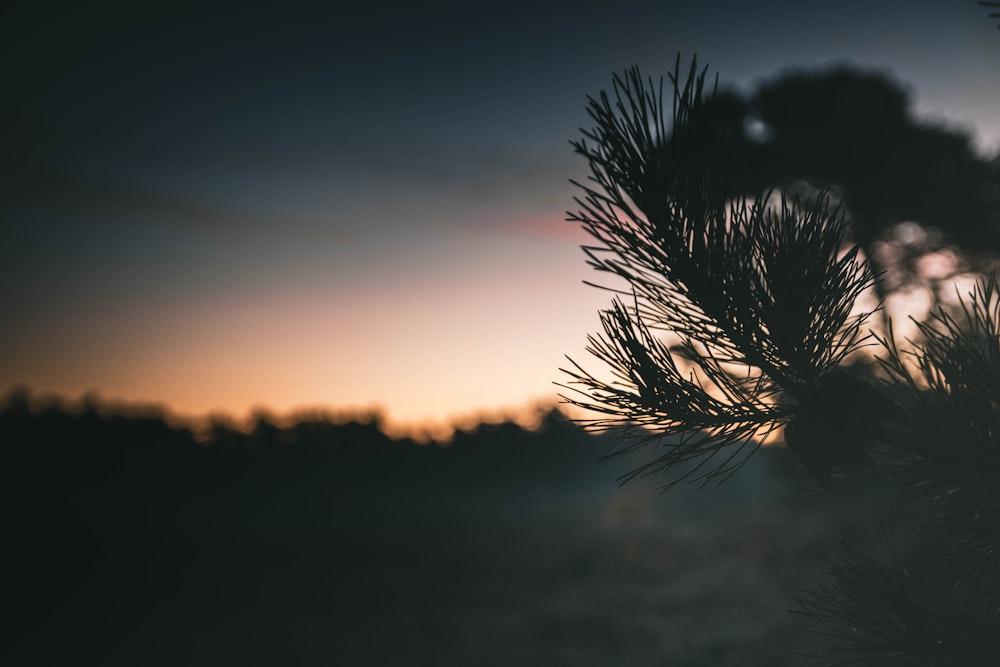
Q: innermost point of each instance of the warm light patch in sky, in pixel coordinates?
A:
(464, 335)
(364, 214)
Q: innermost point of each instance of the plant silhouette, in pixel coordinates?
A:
(992, 15)
(745, 259)
(855, 131)
(851, 134)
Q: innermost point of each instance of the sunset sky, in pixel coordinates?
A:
(219, 206)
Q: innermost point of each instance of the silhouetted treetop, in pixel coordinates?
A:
(992, 15)
(849, 131)
(856, 130)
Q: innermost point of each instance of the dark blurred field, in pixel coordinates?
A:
(324, 544)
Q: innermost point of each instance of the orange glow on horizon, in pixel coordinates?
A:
(429, 343)
(433, 429)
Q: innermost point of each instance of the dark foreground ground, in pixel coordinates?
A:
(509, 548)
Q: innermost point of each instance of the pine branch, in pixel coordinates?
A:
(767, 285)
(652, 402)
(758, 294)
(992, 15)
(949, 383)
(964, 521)
(880, 617)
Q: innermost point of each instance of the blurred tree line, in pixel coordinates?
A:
(124, 496)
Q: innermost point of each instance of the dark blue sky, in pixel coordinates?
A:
(216, 204)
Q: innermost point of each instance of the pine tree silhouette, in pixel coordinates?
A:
(740, 322)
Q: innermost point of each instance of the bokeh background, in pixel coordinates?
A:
(217, 206)
(271, 256)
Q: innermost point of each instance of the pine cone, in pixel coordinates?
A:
(836, 423)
